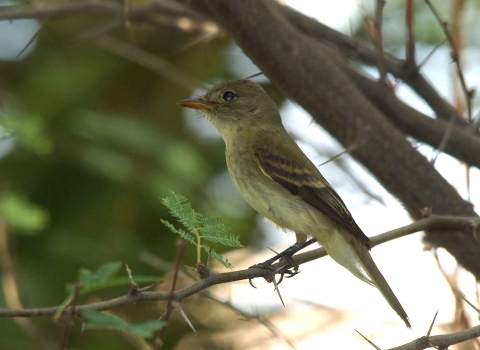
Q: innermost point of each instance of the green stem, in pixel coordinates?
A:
(199, 247)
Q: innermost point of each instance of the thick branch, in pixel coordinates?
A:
(462, 144)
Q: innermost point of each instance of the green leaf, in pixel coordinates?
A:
(99, 320)
(89, 278)
(219, 258)
(182, 210)
(215, 231)
(186, 236)
(107, 270)
(199, 228)
(102, 278)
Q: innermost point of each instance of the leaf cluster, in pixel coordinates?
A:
(199, 228)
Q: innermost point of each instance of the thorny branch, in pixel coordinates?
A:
(433, 222)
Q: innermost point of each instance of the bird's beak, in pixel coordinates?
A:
(197, 104)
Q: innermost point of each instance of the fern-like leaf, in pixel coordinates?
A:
(185, 235)
(180, 208)
(214, 230)
(199, 228)
(217, 256)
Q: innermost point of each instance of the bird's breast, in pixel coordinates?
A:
(268, 197)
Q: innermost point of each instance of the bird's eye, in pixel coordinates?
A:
(228, 96)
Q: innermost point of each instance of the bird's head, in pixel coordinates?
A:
(236, 104)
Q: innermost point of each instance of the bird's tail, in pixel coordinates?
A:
(379, 281)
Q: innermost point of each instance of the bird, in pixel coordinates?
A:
(280, 182)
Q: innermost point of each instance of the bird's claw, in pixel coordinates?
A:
(289, 269)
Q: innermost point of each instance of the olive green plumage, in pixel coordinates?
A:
(278, 180)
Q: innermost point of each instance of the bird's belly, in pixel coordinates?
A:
(281, 207)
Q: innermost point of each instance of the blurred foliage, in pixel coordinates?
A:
(22, 215)
(89, 143)
(28, 130)
(98, 320)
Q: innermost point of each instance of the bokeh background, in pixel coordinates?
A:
(91, 140)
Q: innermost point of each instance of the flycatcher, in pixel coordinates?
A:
(278, 180)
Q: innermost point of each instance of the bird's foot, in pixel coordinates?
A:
(289, 269)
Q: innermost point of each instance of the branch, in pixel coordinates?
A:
(467, 224)
(463, 145)
(145, 59)
(398, 68)
(441, 341)
(166, 317)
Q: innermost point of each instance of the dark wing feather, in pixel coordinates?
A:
(308, 184)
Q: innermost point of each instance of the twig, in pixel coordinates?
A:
(445, 138)
(171, 296)
(380, 5)
(467, 301)
(410, 49)
(96, 31)
(430, 54)
(349, 150)
(145, 59)
(455, 56)
(460, 319)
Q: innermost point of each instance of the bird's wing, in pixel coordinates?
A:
(290, 167)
